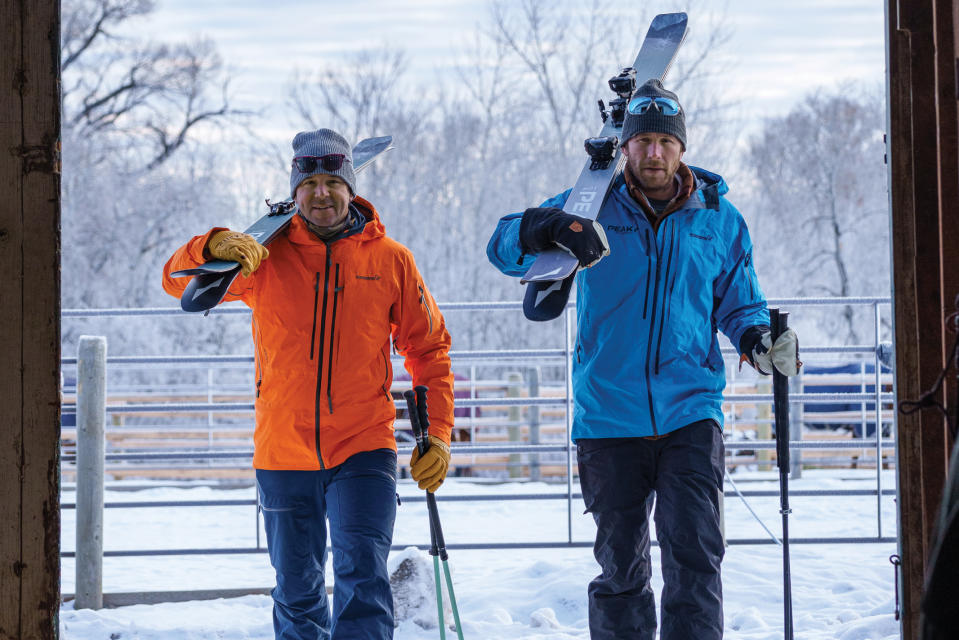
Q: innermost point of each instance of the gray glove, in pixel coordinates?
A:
(759, 350)
(783, 354)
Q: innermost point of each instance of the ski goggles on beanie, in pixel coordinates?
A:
(329, 162)
(321, 151)
(641, 104)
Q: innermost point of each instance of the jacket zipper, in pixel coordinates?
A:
(662, 311)
(386, 376)
(649, 340)
(649, 268)
(319, 358)
(429, 313)
(316, 296)
(329, 370)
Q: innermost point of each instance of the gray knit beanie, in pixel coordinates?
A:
(653, 121)
(322, 142)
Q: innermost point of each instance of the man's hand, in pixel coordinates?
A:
(783, 354)
(430, 470)
(239, 247)
(583, 238)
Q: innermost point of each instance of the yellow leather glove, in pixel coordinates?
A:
(430, 470)
(239, 247)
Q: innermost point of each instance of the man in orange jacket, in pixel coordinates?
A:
(328, 297)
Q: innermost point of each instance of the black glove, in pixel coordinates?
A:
(583, 238)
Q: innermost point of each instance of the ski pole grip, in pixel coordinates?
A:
(415, 420)
(423, 414)
(779, 322)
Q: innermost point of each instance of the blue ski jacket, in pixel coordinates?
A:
(647, 358)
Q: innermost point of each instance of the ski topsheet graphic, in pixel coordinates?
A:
(551, 274)
(214, 277)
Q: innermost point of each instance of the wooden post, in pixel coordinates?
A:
(91, 445)
(924, 182)
(29, 318)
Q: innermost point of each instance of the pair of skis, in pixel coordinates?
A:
(551, 275)
(420, 421)
(213, 278)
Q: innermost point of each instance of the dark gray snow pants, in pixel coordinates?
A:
(620, 479)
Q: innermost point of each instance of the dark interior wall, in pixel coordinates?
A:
(29, 318)
(924, 188)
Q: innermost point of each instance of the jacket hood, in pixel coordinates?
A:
(706, 179)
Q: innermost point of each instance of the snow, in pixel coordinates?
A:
(842, 591)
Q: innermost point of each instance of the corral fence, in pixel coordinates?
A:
(513, 418)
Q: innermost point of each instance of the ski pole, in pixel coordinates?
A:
(779, 323)
(436, 527)
(419, 420)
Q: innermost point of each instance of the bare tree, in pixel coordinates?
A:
(821, 215)
(568, 50)
(541, 37)
(130, 194)
(363, 94)
(141, 100)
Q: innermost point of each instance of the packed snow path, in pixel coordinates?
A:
(842, 592)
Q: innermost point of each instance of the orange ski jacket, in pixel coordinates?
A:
(323, 317)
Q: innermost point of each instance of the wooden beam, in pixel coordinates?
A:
(29, 318)
(908, 444)
(947, 43)
(924, 187)
(926, 150)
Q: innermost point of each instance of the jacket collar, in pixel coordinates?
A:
(364, 225)
(687, 184)
(707, 187)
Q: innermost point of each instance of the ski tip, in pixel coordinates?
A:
(669, 20)
(555, 274)
(547, 300)
(550, 266)
(206, 291)
(191, 306)
(211, 267)
(379, 143)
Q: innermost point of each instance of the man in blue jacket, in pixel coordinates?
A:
(648, 375)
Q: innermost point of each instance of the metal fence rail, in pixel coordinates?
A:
(559, 356)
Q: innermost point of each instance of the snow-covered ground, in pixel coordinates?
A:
(840, 591)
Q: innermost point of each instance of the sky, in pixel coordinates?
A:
(840, 591)
(779, 50)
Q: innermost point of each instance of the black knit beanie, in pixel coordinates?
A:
(653, 121)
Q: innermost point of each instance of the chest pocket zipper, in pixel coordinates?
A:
(337, 288)
(426, 305)
(256, 357)
(316, 300)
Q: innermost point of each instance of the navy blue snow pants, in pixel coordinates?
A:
(620, 478)
(359, 498)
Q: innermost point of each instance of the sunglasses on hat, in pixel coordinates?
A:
(329, 162)
(641, 104)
